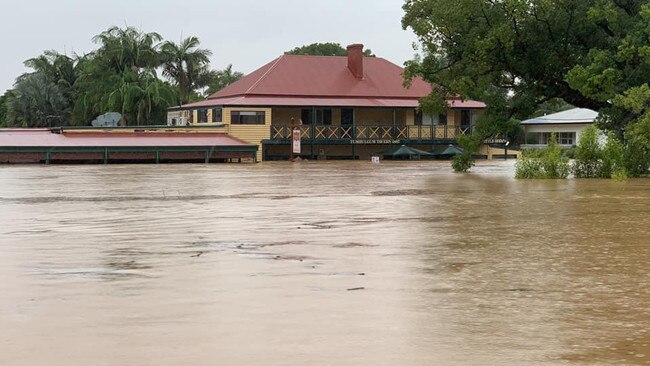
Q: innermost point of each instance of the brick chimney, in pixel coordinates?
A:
(355, 60)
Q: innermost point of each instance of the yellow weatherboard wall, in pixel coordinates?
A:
(253, 134)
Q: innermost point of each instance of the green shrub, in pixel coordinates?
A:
(612, 158)
(620, 175)
(637, 160)
(637, 147)
(470, 144)
(588, 162)
(529, 168)
(547, 163)
(462, 163)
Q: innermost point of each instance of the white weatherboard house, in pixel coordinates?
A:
(567, 126)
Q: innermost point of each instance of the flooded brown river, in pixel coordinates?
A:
(342, 263)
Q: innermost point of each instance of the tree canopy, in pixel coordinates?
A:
(324, 49)
(519, 54)
(121, 75)
(591, 54)
(223, 78)
(186, 65)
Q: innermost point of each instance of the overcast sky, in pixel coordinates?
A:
(245, 33)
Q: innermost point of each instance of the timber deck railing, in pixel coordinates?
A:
(333, 133)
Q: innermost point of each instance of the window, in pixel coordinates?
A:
(543, 138)
(566, 138)
(216, 115)
(323, 116)
(465, 117)
(347, 116)
(422, 119)
(247, 118)
(202, 116)
(305, 116)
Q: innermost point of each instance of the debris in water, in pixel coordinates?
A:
(356, 288)
(197, 255)
(520, 289)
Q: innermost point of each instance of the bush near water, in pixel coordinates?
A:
(591, 159)
(547, 163)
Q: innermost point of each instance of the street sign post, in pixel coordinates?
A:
(295, 142)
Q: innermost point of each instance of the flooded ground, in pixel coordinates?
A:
(342, 263)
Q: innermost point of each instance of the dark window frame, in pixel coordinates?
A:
(218, 111)
(247, 118)
(202, 115)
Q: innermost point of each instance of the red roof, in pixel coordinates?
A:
(325, 81)
(261, 101)
(46, 138)
(326, 76)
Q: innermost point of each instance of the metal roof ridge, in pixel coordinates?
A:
(264, 76)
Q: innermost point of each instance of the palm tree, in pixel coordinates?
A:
(57, 68)
(37, 102)
(128, 48)
(223, 78)
(186, 65)
(121, 77)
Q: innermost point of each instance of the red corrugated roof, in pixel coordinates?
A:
(326, 76)
(325, 81)
(289, 101)
(46, 138)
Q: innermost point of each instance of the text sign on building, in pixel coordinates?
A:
(375, 142)
(296, 141)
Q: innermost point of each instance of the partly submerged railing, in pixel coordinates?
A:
(332, 133)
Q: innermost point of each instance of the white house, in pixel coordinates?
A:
(567, 126)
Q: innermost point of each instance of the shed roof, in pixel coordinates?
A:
(571, 116)
(43, 137)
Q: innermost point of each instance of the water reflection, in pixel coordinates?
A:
(328, 263)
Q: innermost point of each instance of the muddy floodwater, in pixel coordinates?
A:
(341, 263)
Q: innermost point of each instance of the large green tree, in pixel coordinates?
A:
(45, 91)
(3, 108)
(324, 49)
(37, 102)
(121, 76)
(589, 53)
(186, 65)
(586, 52)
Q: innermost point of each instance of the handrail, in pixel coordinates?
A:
(372, 132)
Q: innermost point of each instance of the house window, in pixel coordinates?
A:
(465, 117)
(217, 115)
(305, 116)
(202, 116)
(566, 138)
(247, 118)
(323, 116)
(442, 119)
(426, 119)
(418, 118)
(563, 138)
